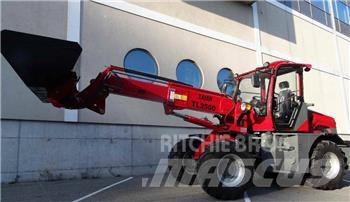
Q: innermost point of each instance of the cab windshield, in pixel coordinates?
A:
(252, 92)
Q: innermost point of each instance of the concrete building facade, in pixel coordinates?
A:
(40, 142)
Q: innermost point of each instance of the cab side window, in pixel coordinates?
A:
(285, 96)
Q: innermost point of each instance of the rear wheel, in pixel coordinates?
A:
(327, 166)
(180, 160)
(225, 175)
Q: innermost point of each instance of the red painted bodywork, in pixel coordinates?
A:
(321, 123)
(178, 96)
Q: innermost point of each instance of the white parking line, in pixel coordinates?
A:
(246, 197)
(100, 190)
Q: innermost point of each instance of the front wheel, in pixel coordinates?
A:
(180, 161)
(327, 166)
(225, 175)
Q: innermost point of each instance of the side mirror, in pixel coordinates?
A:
(255, 80)
(228, 87)
(226, 81)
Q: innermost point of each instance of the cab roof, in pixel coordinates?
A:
(276, 66)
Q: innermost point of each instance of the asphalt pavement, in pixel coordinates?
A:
(130, 189)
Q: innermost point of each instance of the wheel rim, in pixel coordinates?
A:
(230, 170)
(330, 165)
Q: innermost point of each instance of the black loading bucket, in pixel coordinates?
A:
(41, 62)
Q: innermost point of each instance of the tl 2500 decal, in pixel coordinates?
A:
(204, 106)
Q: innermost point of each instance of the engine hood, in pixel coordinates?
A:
(321, 122)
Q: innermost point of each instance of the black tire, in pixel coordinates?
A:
(180, 161)
(214, 182)
(264, 172)
(324, 176)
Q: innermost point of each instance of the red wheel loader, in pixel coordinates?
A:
(260, 115)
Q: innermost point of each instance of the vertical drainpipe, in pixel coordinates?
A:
(256, 25)
(338, 62)
(73, 34)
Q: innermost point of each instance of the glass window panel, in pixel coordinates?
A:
(287, 3)
(141, 60)
(318, 3)
(291, 4)
(319, 15)
(334, 8)
(305, 8)
(188, 72)
(329, 22)
(344, 28)
(342, 14)
(295, 5)
(337, 22)
(326, 3)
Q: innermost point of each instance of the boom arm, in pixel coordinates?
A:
(45, 65)
(116, 80)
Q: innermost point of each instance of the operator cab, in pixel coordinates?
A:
(275, 93)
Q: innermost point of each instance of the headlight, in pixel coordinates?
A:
(243, 106)
(246, 106)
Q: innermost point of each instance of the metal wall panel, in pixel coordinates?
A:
(108, 34)
(37, 17)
